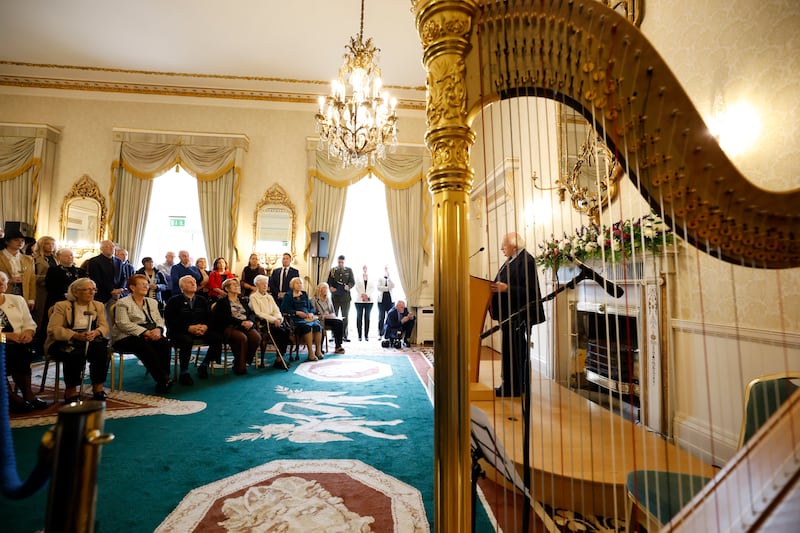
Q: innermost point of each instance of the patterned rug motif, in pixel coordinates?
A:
(120, 404)
(301, 496)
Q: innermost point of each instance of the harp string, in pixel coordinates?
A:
(630, 202)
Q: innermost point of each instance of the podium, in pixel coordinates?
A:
(480, 296)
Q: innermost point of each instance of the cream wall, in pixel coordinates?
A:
(277, 136)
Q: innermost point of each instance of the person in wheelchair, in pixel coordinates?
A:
(399, 325)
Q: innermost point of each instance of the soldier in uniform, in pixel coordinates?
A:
(341, 280)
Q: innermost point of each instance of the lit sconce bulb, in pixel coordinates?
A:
(321, 104)
(737, 127)
(394, 104)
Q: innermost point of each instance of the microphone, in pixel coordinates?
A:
(610, 288)
(476, 253)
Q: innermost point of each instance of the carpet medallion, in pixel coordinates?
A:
(302, 496)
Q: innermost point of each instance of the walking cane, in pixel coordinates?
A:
(85, 354)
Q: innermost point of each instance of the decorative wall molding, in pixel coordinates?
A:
(760, 336)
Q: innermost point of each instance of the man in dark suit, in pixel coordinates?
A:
(106, 271)
(341, 280)
(280, 278)
(188, 319)
(517, 305)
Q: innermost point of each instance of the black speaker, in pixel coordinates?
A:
(319, 244)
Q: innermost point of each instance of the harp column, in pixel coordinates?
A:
(444, 28)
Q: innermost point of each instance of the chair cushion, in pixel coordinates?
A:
(663, 494)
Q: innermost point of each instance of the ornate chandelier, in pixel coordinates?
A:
(357, 120)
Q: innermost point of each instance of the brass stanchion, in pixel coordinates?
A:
(78, 436)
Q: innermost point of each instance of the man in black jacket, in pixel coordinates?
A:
(280, 278)
(517, 305)
(106, 271)
(188, 319)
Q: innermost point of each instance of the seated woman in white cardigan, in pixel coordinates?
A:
(139, 329)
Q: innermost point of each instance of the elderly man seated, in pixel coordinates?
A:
(399, 325)
(188, 318)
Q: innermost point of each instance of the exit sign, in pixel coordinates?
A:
(177, 222)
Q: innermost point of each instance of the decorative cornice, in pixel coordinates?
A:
(181, 84)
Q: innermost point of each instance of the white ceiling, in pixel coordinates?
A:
(291, 41)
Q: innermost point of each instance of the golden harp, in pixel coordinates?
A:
(486, 62)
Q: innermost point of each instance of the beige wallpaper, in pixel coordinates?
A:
(277, 142)
(724, 51)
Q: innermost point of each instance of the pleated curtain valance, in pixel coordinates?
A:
(215, 160)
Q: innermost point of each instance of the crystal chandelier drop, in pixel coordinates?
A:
(357, 120)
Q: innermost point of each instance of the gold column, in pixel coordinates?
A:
(444, 28)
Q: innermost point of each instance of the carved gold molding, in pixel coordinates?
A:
(85, 188)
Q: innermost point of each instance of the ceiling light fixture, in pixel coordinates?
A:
(357, 121)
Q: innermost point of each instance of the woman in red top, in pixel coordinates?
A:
(217, 276)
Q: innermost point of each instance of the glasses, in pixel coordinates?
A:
(88, 289)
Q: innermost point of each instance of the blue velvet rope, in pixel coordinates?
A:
(12, 487)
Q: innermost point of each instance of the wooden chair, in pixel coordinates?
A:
(56, 365)
(655, 497)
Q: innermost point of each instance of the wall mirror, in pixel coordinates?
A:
(83, 213)
(590, 173)
(274, 226)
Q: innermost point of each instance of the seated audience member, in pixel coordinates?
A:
(166, 269)
(297, 307)
(18, 327)
(127, 268)
(399, 325)
(157, 283)
(249, 273)
(139, 329)
(219, 273)
(270, 319)
(183, 268)
(77, 333)
(202, 267)
(188, 318)
(236, 321)
(280, 278)
(323, 305)
(44, 258)
(18, 267)
(61, 276)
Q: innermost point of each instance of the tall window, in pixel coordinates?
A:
(173, 218)
(365, 237)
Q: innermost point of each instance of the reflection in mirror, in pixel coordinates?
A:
(83, 217)
(274, 226)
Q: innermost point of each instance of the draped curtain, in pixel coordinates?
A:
(26, 153)
(215, 162)
(408, 204)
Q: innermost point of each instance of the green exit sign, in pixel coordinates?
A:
(177, 222)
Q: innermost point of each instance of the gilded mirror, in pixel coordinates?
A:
(274, 225)
(589, 171)
(83, 213)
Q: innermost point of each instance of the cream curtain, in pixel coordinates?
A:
(215, 162)
(27, 153)
(19, 171)
(407, 197)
